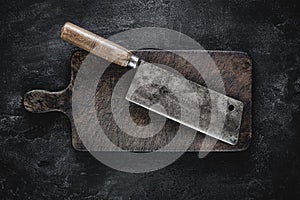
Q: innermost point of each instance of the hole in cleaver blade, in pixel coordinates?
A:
(201, 109)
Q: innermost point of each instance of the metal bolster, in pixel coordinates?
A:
(134, 61)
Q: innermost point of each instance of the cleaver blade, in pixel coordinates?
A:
(164, 92)
(186, 102)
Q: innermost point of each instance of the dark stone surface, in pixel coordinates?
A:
(37, 159)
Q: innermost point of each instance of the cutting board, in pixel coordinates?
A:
(235, 69)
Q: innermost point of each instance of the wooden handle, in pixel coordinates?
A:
(95, 44)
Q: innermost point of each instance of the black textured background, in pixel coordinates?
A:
(37, 160)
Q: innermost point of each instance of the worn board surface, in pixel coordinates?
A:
(37, 158)
(235, 69)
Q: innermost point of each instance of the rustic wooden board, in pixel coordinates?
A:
(235, 69)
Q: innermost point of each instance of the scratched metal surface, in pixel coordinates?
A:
(37, 159)
(186, 102)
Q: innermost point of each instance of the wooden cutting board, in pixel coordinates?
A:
(235, 69)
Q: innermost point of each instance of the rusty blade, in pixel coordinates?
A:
(186, 102)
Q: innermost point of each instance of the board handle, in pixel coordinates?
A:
(98, 45)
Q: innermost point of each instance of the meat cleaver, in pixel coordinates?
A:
(183, 101)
